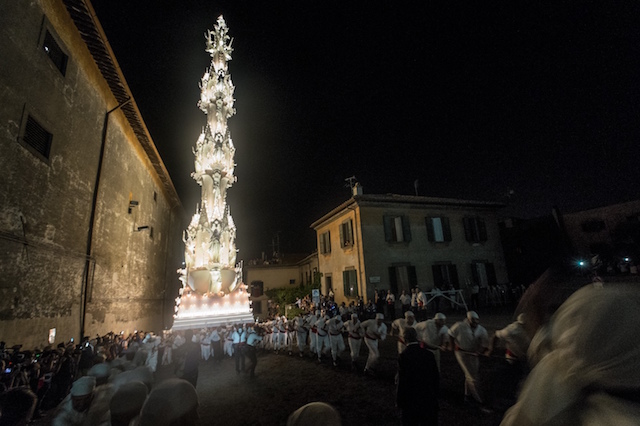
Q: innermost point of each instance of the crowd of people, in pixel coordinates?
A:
(110, 379)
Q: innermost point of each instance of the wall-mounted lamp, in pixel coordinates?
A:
(132, 204)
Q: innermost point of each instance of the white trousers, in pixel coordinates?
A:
(374, 353)
(337, 345)
(470, 365)
(354, 345)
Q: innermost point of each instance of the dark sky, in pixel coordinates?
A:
(470, 98)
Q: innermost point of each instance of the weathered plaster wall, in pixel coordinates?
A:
(41, 262)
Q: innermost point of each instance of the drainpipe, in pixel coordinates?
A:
(94, 203)
(356, 243)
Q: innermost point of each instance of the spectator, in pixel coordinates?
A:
(17, 406)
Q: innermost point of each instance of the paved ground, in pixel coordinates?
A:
(284, 383)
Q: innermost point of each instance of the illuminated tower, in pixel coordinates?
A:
(212, 290)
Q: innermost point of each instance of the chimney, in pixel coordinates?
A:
(357, 189)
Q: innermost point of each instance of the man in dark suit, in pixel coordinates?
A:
(418, 381)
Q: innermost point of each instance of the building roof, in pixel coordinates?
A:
(385, 199)
(93, 35)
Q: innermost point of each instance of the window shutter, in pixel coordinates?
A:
(453, 276)
(349, 238)
(413, 278)
(341, 227)
(328, 242)
(437, 275)
(430, 234)
(491, 273)
(474, 273)
(345, 283)
(468, 231)
(387, 228)
(482, 229)
(446, 229)
(406, 228)
(393, 279)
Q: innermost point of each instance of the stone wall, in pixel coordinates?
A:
(45, 202)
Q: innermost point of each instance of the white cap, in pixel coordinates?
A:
(379, 316)
(472, 315)
(83, 386)
(99, 371)
(439, 316)
(409, 314)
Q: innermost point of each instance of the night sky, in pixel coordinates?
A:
(472, 99)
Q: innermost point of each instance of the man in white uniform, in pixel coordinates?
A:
(374, 330)
(356, 333)
(313, 335)
(516, 340)
(322, 336)
(399, 325)
(470, 340)
(302, 330)
(335, 338)
(434, 335)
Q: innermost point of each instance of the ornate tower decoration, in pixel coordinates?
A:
(212, 290)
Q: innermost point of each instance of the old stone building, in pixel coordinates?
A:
(398, 242)
(90, 222)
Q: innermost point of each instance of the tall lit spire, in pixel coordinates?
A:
(212, 291)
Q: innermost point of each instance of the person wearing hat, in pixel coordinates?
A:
(434, 335)
(470, 340)
(400, 324)
(17, 406)
(315, 414)
(302, 330)
(253, 340)
(374, 330)
(172, 402)
(313, 335)
(83, 406)
(127, 402)
(405, 301)
(515, 338)
(322, 336)
(355, 335)
(418, 381)
(335, 338)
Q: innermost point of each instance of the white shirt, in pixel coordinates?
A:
(354, 330)
(516, 339)
(468, 339)
(335, 325)
(374, 331)
(428, 332)
(405, 299)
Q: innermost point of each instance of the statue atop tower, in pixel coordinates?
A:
(212, 291)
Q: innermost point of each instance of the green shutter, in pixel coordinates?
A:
(341, 235)
(393, 279)
(482, 229)
(446, 229)
(430, 233)
(468, 230)
(437, 275)
(453, 275)
(491, 274)
(413, 278)
(406, 228)
(387, 227)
